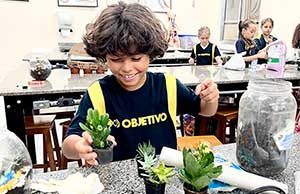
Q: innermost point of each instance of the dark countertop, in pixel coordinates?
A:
(121, 177)
(62, 81)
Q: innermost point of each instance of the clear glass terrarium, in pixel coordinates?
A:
(15, 164)
(40, 67)
(266, 126)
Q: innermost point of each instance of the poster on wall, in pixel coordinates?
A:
(77, 3)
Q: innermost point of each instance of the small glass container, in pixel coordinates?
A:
(266, 126)
(40, 67)
(15, 164)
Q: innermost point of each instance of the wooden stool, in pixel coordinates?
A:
(64, 160)
(44, 124)
(225, 117)
(193, 141)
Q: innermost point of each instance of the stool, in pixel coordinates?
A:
(225, 117)
(192, 142)
(64, 160)
(44, 124)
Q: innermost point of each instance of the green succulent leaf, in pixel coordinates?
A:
(96, 125)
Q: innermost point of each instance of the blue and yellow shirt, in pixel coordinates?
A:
(140, 115)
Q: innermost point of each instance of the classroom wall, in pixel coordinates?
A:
(33, 24)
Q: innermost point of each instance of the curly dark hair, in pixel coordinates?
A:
(296, 37)
(126, 29)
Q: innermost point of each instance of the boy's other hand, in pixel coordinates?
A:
(208, 91)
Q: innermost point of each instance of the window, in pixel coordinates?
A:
(233, 12)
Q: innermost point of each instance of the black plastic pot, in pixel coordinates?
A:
(152, 188)
(188, 189)
(104, 156)
(139, 168)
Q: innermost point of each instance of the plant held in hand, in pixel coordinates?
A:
(98, 127)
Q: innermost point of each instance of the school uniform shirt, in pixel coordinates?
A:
(139, 116)
(240, 46)
(204, 56)
(261, 43)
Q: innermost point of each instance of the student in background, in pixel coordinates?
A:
(205, 53)
(245, 43)
(127, 37)
(265, 38)
(296, 37)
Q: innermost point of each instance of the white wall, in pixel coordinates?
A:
(33, 24)
(286, 17)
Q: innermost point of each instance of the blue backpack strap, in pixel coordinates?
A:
(172, 96)
(96, 96)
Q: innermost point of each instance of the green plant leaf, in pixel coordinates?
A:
(94, 126)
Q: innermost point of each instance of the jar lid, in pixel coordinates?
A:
(275, 86)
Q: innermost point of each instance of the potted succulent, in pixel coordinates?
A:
(198, 169)
(157, 178)
(144, 150)
(99, 128)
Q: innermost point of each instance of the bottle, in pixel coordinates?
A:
(253, 65)
(266, 124)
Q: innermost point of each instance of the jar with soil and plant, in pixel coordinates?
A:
(98, 126)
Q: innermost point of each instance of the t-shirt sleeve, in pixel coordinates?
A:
(80, 116)
(217, 52)
(240, 46)
(187, 100)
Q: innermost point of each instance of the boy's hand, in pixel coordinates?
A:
(84, 149)
(208, 91)
(191, 61)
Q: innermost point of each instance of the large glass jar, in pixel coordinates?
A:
(15, 164)
(266, 125)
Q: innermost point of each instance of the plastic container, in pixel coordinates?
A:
(15, 164)
(276, 56)
(266, 126)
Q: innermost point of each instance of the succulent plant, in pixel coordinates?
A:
(145, 149)
(160, 174)
(98, 126)
(148, 162)
(199, 167)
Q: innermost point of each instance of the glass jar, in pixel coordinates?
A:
(40, 67)
(15, 164)
(266, 126)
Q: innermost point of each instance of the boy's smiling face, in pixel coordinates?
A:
(130, 71)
